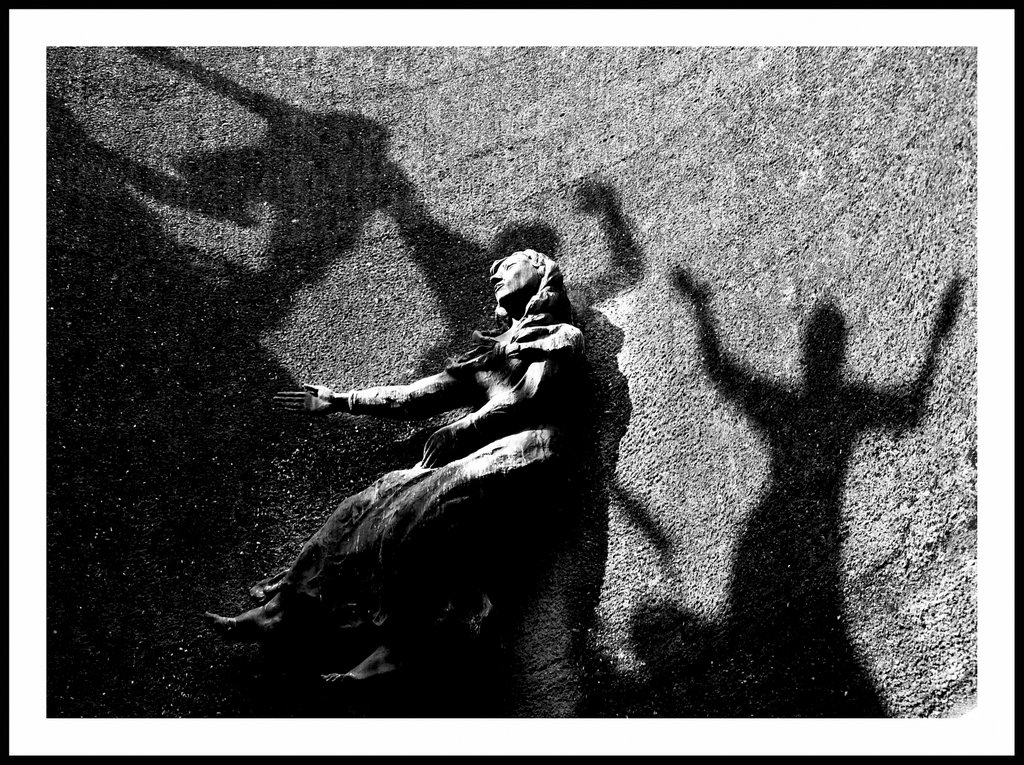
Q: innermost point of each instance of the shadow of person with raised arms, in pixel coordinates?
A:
(785, 650)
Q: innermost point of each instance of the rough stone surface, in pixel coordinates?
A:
(225, 223)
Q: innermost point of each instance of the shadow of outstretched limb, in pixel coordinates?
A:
(323, 175)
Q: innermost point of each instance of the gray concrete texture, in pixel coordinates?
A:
(224, 223)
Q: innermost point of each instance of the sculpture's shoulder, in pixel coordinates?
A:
(572, 336)
(560, 339)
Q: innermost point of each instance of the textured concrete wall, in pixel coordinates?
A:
(224, 223)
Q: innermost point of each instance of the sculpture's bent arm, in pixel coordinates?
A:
(423, 398)
(533, 399)
(538, 343)
(538, 391)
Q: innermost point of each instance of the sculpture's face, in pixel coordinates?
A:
(515, 275)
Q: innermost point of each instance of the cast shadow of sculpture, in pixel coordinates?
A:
(324, 175)
(784, 649)
(576, 550)
(614, 408)
(573, 546)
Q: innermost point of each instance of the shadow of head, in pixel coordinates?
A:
(332, 164)
(329, 164)
(824, 347)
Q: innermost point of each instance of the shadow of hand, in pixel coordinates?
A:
(595, 198)
(697, 291)
(951, 301)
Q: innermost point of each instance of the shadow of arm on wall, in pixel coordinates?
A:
(640, 516)
(629, 266)
(904, 407)
(730, 377)
(256, 102)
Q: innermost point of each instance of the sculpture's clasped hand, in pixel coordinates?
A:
(315, 399)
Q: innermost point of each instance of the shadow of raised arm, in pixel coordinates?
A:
(730, 376)
(600, 200)
(903, 406)
(259, 103)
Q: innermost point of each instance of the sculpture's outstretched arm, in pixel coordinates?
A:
(423, 398)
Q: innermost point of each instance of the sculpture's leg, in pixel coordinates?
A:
(267, 587)
(379, 662)
(251, 625)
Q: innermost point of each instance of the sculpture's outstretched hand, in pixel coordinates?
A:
(314, 399)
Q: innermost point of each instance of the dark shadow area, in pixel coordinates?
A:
(607, 410)
(614, 409)
(163, 452)
(784, 649)
(324, 175)
(170, 480)
(160, 453)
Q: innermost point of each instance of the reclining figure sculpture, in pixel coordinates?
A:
(412, 551)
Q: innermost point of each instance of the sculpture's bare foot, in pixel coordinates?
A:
(230, 627)
(251, 625)
(269, 586)
(380, 662)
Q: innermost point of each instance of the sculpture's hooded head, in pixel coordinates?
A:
(532, 302)
(529, 281)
